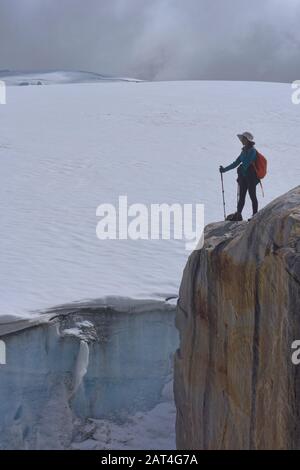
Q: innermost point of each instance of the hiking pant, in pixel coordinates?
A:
(247, 183)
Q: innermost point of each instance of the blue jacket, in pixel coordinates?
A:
(245, 159)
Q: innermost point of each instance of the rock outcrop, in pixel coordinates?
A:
(238, 314)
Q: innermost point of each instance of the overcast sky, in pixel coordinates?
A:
(154, 39)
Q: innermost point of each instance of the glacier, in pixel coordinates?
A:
(65, 149)
(98, 373)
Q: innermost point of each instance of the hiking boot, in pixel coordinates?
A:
(236, 217)
(252, 217)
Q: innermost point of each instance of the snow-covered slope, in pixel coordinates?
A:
(65, 150)
(57, 77)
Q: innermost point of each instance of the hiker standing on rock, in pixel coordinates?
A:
(247, 174)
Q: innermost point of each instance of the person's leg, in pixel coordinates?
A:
(252, 183)
(242, 193)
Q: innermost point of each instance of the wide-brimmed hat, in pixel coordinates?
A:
(248, 136)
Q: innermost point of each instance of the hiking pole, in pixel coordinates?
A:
(223, 194)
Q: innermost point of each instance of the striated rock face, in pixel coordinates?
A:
(238, 315)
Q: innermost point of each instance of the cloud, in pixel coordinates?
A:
(154, 39)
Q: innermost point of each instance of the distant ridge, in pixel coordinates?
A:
(48, 77)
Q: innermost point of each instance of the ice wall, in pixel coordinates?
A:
(86, 362)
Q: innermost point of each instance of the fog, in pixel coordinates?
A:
(154, 39)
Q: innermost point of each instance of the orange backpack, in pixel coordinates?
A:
(260, 165)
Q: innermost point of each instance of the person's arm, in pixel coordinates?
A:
(232, 166)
